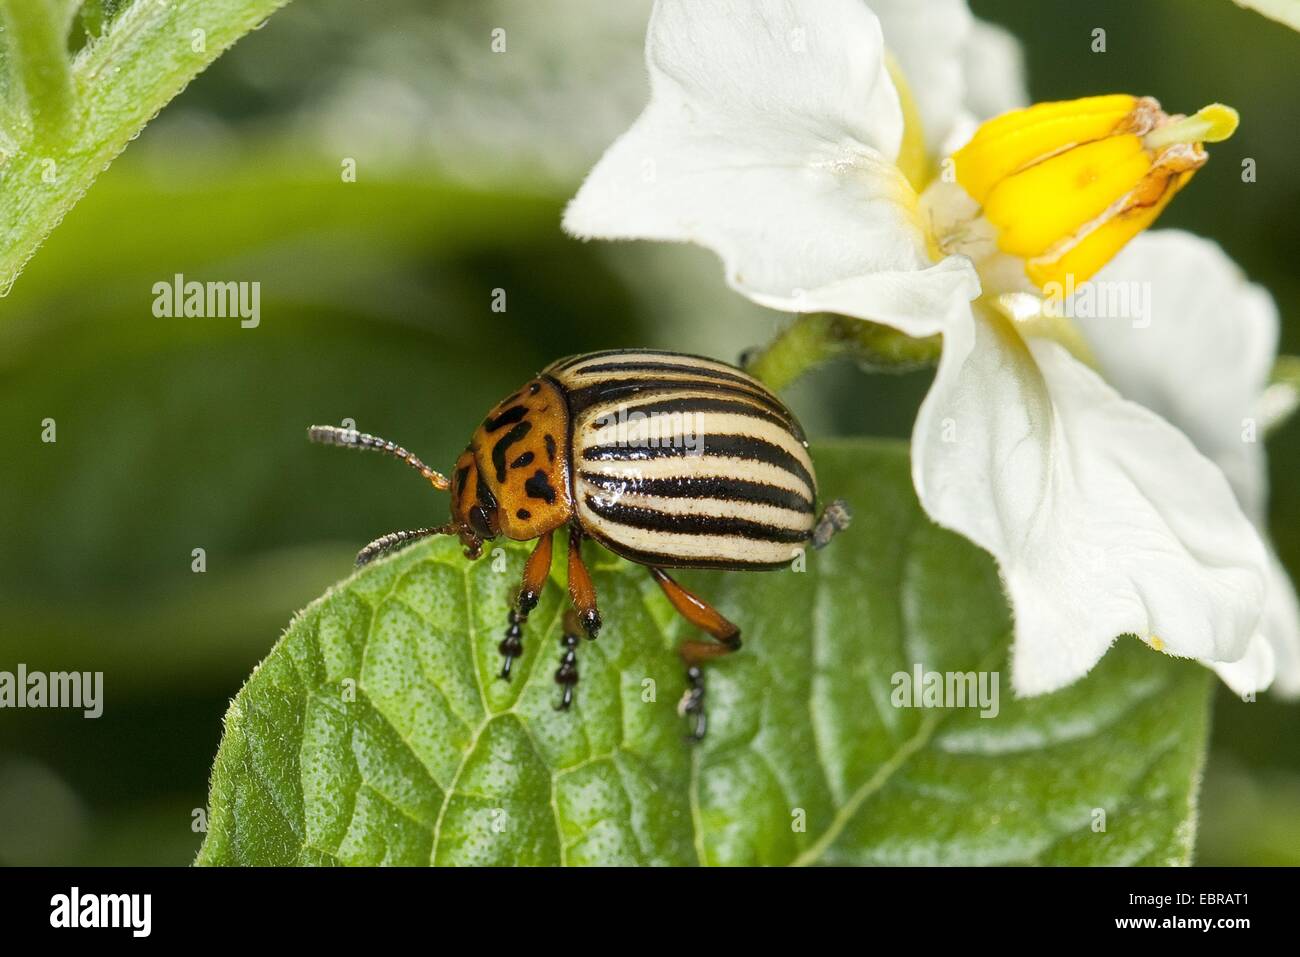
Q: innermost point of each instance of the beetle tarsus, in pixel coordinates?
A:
(566, 676)
(512, 645)
(692, 703)
(834, 518)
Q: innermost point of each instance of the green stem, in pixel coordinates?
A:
(806, 342)
(93, 17)
(1287, 371)
(1283, 395)
(814, 338)
(37, 46)
(883, 349)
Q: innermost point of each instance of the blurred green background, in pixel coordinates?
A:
(176, 434)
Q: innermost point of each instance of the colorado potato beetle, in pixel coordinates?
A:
(667, 460)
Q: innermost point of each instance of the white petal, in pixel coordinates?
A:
(960, 70)
(814, 65)
(918, 304)
(928, 38)
(1196, 344)
(1283, 11)
(769, 138)
(1251, 674)
(1281, 626)
(994, 68)
(1104, 519)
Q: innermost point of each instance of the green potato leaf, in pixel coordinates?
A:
(376, 731)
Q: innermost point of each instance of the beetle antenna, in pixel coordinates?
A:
(394, 540)
(352, 439)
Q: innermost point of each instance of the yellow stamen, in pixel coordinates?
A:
(1210, 124)
(1068, 184)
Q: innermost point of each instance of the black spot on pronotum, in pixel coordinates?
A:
(524, 514)
(485, 496)
(503, 445)
(478, 521)
(523, 460)
(462, 476)
(539, 486)
(508, 417)
(550, 447)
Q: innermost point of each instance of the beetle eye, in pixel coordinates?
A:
(478, 520)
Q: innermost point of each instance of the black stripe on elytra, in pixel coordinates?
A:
(655, 521)
(704, 403)
(550, 446)
(704, 487)
(503, 445)
(509, 417)
(614, 390)
(523, 460)
(734, 446)
(539, 486)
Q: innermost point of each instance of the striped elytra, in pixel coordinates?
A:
(668, 460)
(684, 462)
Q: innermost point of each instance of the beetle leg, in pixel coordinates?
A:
(702, 615)
(581, 589)
(536, 569)
(566, 676)
(834, 518)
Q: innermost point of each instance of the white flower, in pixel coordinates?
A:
(776, 136)
(1211, 385)
(791, 179)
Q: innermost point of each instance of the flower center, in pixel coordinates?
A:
(1066, 185)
